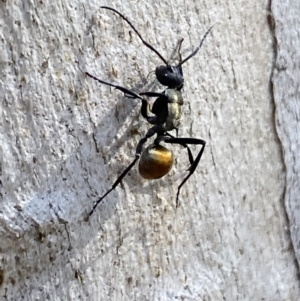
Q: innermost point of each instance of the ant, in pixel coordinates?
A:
(155, 161)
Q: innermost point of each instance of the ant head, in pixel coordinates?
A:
(170, 76)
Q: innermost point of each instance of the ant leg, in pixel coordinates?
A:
(197, 49)
(127, 93)
(119, 179)
(138, 153)
(191, 158)
(179, 48)
(153, 94)
(130, 24)
(145, 109)
(180, 58)
(195, 163)
(158, 112)
(146, 112)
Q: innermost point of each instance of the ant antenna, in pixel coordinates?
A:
(197, 49)
(144, 42)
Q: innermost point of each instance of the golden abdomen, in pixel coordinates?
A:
(155, 162)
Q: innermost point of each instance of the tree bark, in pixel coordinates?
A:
(65, 139)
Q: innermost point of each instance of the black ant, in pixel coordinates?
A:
(156, 160)
(167, 75)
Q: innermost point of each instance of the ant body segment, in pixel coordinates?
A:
(155, 161)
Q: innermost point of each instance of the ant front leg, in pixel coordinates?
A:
(194, 163)
(127, 93)
(179, 65)
(145, 109)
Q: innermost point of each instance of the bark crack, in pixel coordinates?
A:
(276, 68)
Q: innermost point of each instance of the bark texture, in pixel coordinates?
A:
(65, 139)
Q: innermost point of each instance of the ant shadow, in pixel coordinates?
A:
(67, 195)
(94, 156)
(116, 118)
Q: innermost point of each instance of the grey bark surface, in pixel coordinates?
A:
(65, 139)
(286, 89)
